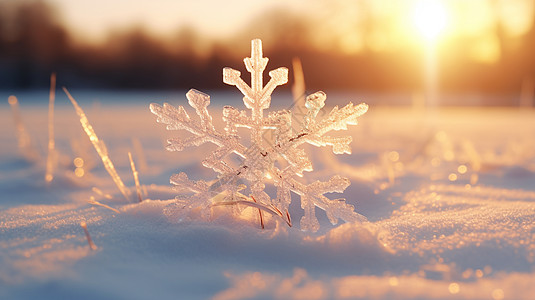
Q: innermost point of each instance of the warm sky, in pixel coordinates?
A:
(93, 19)
(346, 25)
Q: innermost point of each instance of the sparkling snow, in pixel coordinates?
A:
(450, 196)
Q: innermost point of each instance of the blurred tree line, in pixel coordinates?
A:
(33, 44)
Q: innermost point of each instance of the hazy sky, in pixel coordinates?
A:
(340, 24)
(93, 19)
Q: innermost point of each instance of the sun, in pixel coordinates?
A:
(429, 17)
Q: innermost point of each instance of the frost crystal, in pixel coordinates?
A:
(279, 162)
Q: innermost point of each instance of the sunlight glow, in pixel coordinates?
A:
(498, 294)
(454, 288)
(79, 172)
(485, 48)
(429, 18)
(78, 162)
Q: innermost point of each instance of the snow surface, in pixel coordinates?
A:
(449, 195)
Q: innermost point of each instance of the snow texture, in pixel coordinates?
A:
(430, 235)
(278, 161)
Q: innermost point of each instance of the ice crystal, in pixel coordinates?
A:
(279, 162)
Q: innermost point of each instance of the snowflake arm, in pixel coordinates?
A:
(338, 119)
(256, 97)
(177, 118)
(312, 196)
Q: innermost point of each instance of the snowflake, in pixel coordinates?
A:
(279, 162)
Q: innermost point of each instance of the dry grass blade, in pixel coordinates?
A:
(95, 202)
(23, 138)
(100, 147)
(136, 177)
(298, 88)
(51, 158)
(259, 213)
(270, 209)
(140, 155)
(288, 219)
(92, 245)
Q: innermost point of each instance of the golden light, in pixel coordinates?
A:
(79, 172)
(454, 288)
(78, 162)
(393, 281)
(498, 294)
(429, 18)
(393, 156)
(12, 100)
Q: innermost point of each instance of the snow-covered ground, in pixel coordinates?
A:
(449, 195)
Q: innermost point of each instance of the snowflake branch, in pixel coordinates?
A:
(232, 77)
(312, 196)
(200, 102)
(178, 118)
(278, 77)
(338, 119)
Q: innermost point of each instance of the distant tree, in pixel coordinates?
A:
(32, 41)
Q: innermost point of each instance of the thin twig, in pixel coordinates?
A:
(288, 219)
(270, 209)
(260, 213)
(92, 245)
(95, 202)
